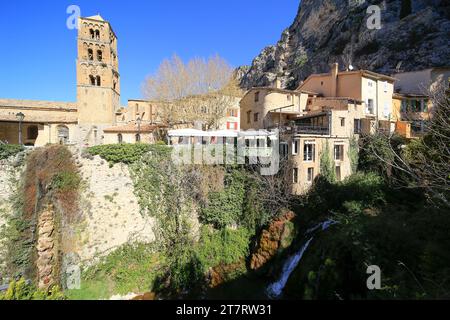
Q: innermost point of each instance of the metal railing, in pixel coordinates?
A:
(307, 129)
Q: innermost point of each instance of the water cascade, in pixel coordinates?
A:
(275, 289)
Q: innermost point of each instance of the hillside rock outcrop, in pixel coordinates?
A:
(414, 35)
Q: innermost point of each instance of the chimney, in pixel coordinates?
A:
(278, 83)
(334, 79)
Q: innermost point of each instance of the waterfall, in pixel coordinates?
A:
(276, 288)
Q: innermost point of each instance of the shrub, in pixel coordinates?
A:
(8, 150)
(130, 268)
(22, 290)
(327, 165)
(125, 153)
(67, 180)
(222, 247)
(225, 207)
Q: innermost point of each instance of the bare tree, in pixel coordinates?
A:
(199, 90)
(425, 163)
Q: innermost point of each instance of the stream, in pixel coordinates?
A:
(275, 290)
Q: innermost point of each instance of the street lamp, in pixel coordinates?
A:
(138, 137)
(20, 116)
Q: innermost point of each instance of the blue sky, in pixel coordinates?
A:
(38, 52)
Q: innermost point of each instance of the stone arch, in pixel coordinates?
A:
(63, 134)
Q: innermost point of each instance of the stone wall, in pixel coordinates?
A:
(10, 171)
(110, 212)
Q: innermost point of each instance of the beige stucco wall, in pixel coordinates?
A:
(112, 138)
(97, 104)
(297, 161)
(270, 100)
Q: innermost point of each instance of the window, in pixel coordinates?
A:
(90, 54)
(370, 108)
(289, 97)
(91, 33)
(295, 175)
(321, 83)
(338, 173)
(97, 34)
(231, 125)
(357, 126)
(295, 144)
(386, 110)
(404, 106)
(99, 55)
(425, 105)
(370, 84)
(99, 81)
(339, 152)
(138, 138)
(385, 86)
(309, 151)
(63, 134)
(119, 138)
(284, 149)
(249, 115)
(256, 96)
(310, 174)
(114, 84)
(92, 80)
(342, 122)
(256, 117)
(32, 132)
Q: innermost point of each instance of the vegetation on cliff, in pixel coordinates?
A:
(50, 177)
(9, 150)
(393, 213)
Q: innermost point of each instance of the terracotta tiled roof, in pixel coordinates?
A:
(38, 104)
(132, 127)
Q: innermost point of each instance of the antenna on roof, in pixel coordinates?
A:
(397, 68)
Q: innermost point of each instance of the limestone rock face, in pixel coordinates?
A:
(329, 31)
(46, 250)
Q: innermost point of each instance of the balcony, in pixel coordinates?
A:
(309, 129)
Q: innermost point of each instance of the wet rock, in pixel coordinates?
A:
(271, 241)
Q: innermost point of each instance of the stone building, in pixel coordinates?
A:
(97, 116)
(324, 114)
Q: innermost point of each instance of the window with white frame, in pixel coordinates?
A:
(370, 106)
(295, 175)
(295, 145)
(386, 109)
(284, 149)
(339, 152)
(310, 174)
(309, 151)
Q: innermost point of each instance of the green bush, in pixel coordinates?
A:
(8, 150)
(222, 247)
(225, 207)
(131, 268)
(125, 153)
(66, 180)
(21, 290)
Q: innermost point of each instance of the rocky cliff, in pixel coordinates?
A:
(414, 34)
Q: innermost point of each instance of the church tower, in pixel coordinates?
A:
(98, 79)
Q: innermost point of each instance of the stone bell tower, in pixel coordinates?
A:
(98, 79)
